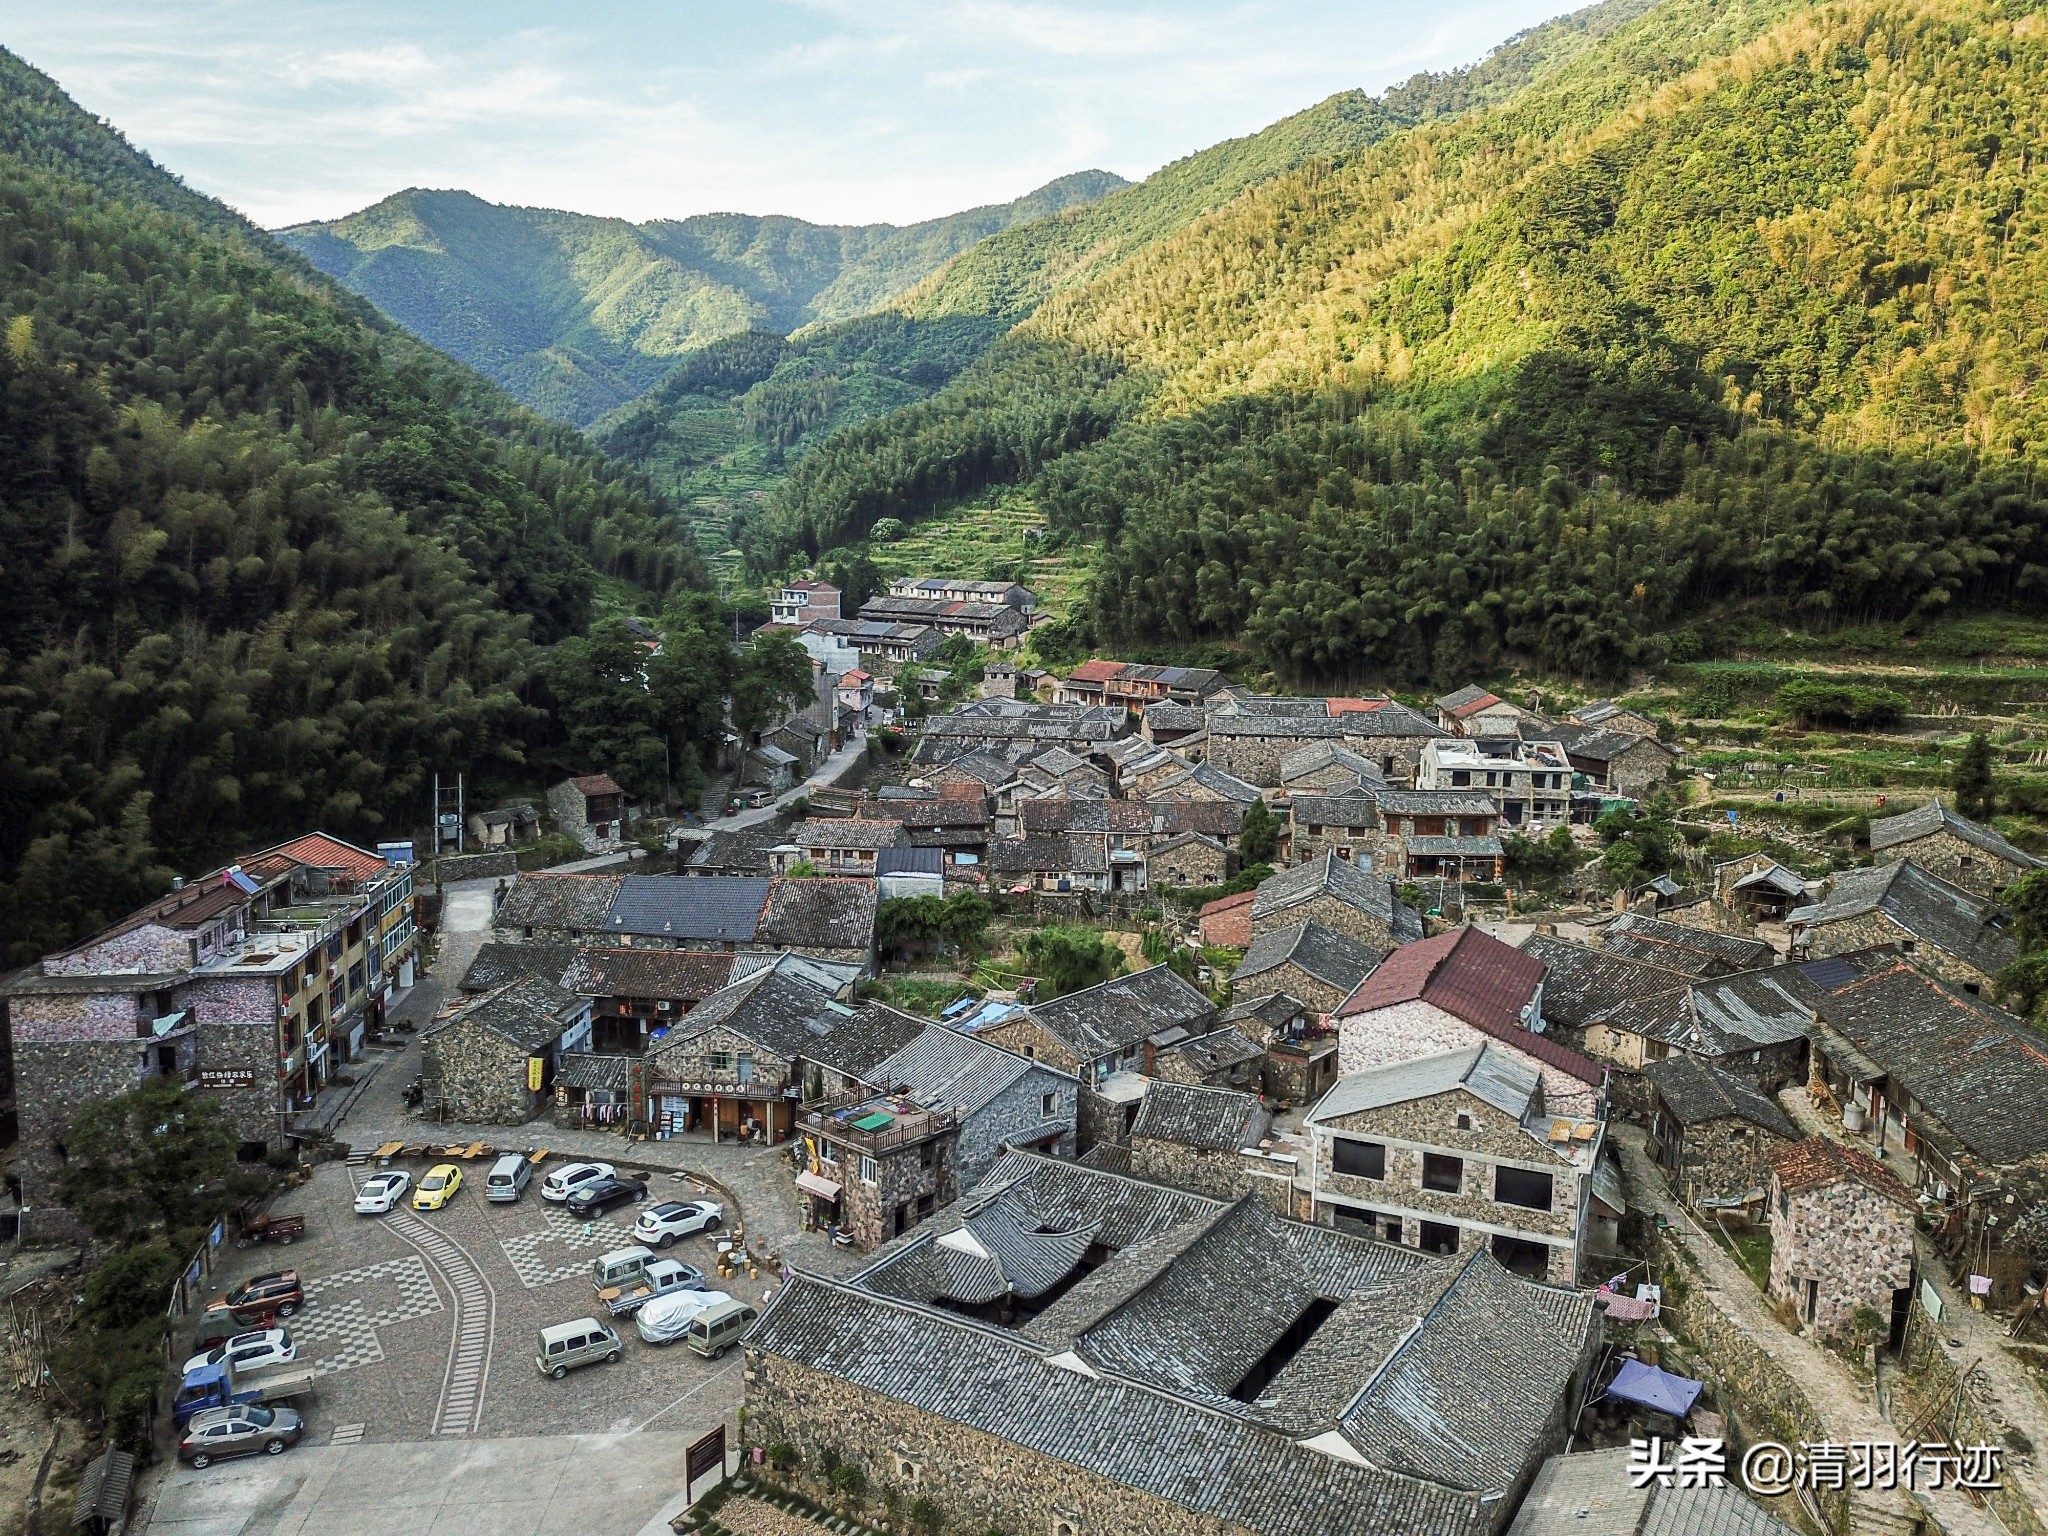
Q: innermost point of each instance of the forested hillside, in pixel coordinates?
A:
(576, 315)
(1740, 305)
(267, 561)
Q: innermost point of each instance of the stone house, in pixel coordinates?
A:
(1455, 991)
(1756, 888)
(1712, 1131)
(1202, 781)
(997, 625)
(1191, 859)
(1049, 864)
(1344, 824)
(955, 589)
(1108, 1035)
(748, 1056)
(1300, 1049)
(1614, 1008)
(1951, 932)
(1455, 1150)
(1949, 845)
(1949, 1086)
(1251, 738)
(1529, 782)
(637, 996)
(1000, 1099)
(804, 602)
(1203, 1139)
(1318, 965)
(1330, 768)
(830, 918)
(1610, 716)
(1135, 765)
(1692, 951)
(1220, 819)
(1617, 762)
(555, 908)
(1427, 833)
(498, 962)
(1338, 894)
(1136, 686)
(1050, 1356)
(590, 808)
(1226, 922)
(491, 1059)
(838, 845)
(506, 827)
(1223, 1058)
(1172, 724)
(1841, 1235)
(878, 1164)
(1472, 711)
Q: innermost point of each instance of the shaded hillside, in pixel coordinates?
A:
(268, 562)
(1743, 304)
(578, 315)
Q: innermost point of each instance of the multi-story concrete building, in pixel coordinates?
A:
(248, 984)
(804, 602)
(1530, 781)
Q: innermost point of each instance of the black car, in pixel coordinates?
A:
(595, 1199)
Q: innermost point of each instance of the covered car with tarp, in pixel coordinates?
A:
(666, 1318)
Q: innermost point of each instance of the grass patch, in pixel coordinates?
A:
(999, 536)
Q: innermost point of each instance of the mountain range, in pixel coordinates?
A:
(576, 315)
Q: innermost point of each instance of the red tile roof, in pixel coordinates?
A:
(1355, 706)
(321, 851)
(1817, 1162)
(597, 784)
(1096, 671)
(1472, 976)
(1485, 701)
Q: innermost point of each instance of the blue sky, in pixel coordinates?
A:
(836, 110)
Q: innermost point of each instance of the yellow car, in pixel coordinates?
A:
(437, 1188)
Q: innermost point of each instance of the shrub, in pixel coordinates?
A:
(1814, 702)
(849, 1481)
(782, 1456)
(925, 1516)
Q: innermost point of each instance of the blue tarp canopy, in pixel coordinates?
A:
(1651, 1388)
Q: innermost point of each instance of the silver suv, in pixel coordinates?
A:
(241, 1429)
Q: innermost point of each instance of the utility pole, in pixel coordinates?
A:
(448, 815)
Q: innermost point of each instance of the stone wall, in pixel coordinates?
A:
(475, 1074)
(1718, 1158)
(1933, 1374)
(1943, 853)
(1408, 1030)
(1015, 1115)
(1331, 913)
(1300, 1077)
(472, 866)
(875, 1210)
(1192, 863)
(978, 1480)
(1022, 1033)
(1856, 1243)
(1873, 928)
(1321, 996)
(1365, 845)
(1256, 759)
(1407, 1131)
(148, 947)
(236, 1020)
(1098, 1122)
(56, 1078)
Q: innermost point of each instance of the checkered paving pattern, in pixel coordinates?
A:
(544, 1257)
(345, 1327)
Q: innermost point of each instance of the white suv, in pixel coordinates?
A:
(661, 1225)
(570, 1177)
(266, 1346)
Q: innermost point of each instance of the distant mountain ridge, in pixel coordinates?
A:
(576, 315)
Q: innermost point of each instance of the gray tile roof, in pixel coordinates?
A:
(1455, 847)
(793, 1019)
(1934, 817)
(1216, 818)
(1332, 876)
(1750, 1009)
(917, 860)
(1219, 1051)
(531, 1012)
(1323, 953)
(1360, 811)
(678, 975)
(1047, 855)
(1436, 802)
(1116, 1014)
(1697, 1092)
(1265, 1017)
(1318, 756)
(1471, 693)
(1591, 1494)
(845, 832)
(1978, 1070)
(1584, 986)
(1680, 947)
(820, 914)
(707, 908)
(1212, 1119)
(575, 903)
(1953, 920)
(1206, 776)
(943, 1067)
(1487, 1072)
(497, 963)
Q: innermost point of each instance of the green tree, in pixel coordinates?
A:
(2027, 900)
(1258, 838)
(774, 682)
(157, 1159)
(1067, 959)
(1976, 795)
(1541, 864)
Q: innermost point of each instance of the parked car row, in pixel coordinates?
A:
(584, 1188)
(232, 1396)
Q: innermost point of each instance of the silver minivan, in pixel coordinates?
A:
(568, 1345)
(622, 1266)
(712, 1332)
(508, 1177)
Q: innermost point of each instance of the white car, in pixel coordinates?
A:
(661, 1225)
(266, 1346)
(382, 1193)
(667, 1318)
(570, 1177)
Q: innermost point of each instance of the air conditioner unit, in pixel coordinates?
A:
(284, 1010)
(664, 1007)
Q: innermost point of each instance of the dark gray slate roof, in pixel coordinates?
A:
(1265, 1016)
(1471, 693)
(941, 1067)
(1323, 953)
(1978, 1070)
(1334, 810)
(1934, 817)
(820, 914)
(1217, 818)
(1213, 1119)
(1680, 947)
(1486, 1071)
(577, 903)
(1697, 1092)
(1436, 802)
(709, 908)
(530, 1012)
(1320, 755)
(1583, 987)
(678, 975)
(1332, 876)
(847, 832)
(911, 861)
(587, 1070)
(1953, 920)
(497, 963)
(1113, 1015)
(1749, 1009)
(1220, 1050)
(1206, 776)
(1047, 855)
(792, 1018)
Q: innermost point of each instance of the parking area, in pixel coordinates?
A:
(421, 1326)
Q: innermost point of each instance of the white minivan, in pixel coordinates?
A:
(508, 1177)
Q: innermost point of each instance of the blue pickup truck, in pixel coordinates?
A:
(219, 1386)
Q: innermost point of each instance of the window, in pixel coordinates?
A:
(1965, 862)
(867, 1169)
(1520, 1186)
(1360, 1159)
(718, 1061)
(1908, 946)
(1438, 1237)
(1444, 1174)
(1464, 1122)
(1460, 779)
(827, 1153)
(1048, 1104)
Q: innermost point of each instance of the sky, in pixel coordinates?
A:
(839, 111)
